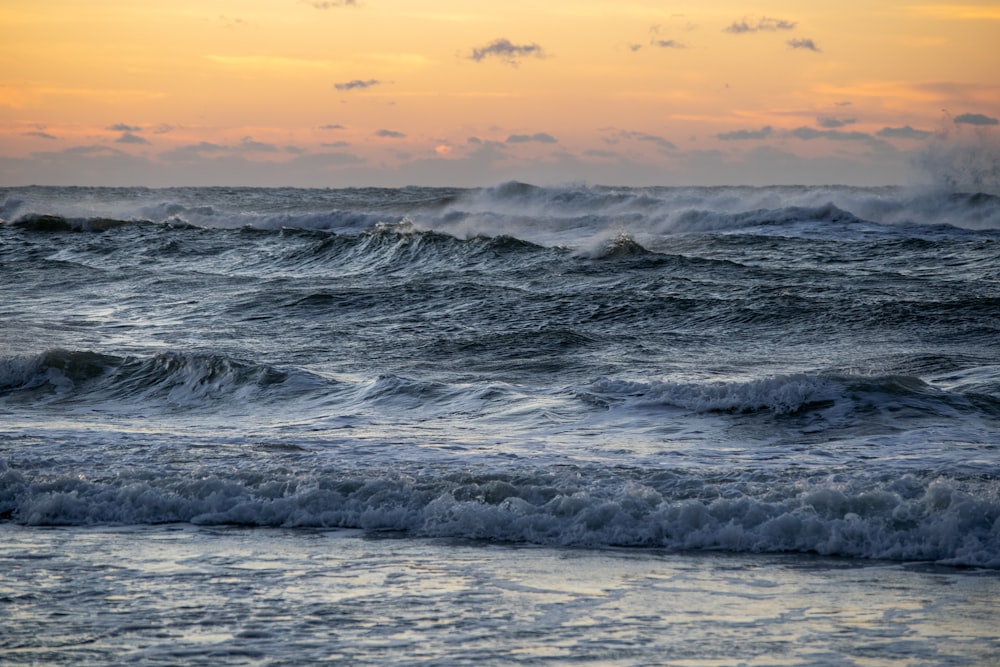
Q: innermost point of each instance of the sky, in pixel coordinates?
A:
(339, 93)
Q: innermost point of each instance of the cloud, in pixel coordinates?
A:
(336, 144)
(657, 42)
(808, 133)
(122, 127)
(744, 135)
(390, 134)
(975, 119)
(507, 52)
(594, 152)
(248, 144)
(634, 47)
(191, 152)
(806, 44)
(129, 138)
(332, 127)
(661, 142)
(831, 123)
(905, 132)
(356, 84)
(538, 137)
(40, 135)
(667, 44)
(93, 150)
(331, 4)
(763, 23)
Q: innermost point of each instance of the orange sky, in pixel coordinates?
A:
(437, 92)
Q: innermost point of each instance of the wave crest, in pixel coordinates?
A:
(884, 517)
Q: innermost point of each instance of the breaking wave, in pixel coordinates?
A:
(932, 517)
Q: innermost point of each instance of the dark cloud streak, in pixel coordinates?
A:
(805, 43)
(745, 135)
(332, 4)
(123, 127)
(905, 132)
(831, 123)
(357, 84)
(129, 138)
(538, 137)
(507, 52)
(975, 119)
(764, 23)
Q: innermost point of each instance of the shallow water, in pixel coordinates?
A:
(226, 596)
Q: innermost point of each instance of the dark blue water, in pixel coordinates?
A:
(766, 370)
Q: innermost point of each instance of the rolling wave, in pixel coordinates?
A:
(569, 215)
(914, 517)
(173, 380)
(182, 380)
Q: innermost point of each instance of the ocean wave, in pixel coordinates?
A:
(913, 517)
(574, 216)
(778, 395)
(170, 379)
(844, 397)
(41, 222)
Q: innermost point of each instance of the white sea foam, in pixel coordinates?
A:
(909, 518)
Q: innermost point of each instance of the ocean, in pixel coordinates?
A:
(507, 425)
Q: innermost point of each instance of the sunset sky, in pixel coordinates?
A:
(441, 92)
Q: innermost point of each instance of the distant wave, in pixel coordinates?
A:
(181, 380)
(913, 517)
(569, 216)
(844, 397)
(38, 222)
(202, 381)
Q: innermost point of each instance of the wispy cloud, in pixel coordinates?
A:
(661, 43)
(390, 134)
(764, 23)
(507, 52)
(905, 132)
(248, 144)
(330, 4)
(808, 133)
(832, 123)
(332, 126)
(804, 43)
(667, 44)
(655, 139)
(745, 135)
(357, 84)
(976, 119)
(129, 138)
(123, 127)
(538, 137)
(40, 135)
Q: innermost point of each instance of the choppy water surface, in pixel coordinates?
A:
(741, 370)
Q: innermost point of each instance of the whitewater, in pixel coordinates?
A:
(517, 424)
